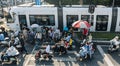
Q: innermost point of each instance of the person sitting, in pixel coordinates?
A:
(67, 39)
(83, 51)
(45, 53)
(11, 52)
(115, 42)
(90, 38)
(11, 42)
(56, 48)
(62, 47)
(2, 56)
(16, 41)
(86, 49)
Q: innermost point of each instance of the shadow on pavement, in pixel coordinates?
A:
(114, 56)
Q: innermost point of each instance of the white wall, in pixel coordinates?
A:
(34, 11)
(84, 11)
(104, 11)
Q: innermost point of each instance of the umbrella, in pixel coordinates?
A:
(81, 24)
(34, 25)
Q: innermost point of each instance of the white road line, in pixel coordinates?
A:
(106, 58)
(26, 62)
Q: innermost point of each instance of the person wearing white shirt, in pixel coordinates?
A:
(38, 37)
(115, 41)
(47, 49)
(11, 52)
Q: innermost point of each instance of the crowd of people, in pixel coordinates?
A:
(63, 39)
(18, 39)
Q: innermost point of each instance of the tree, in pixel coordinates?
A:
(79, 2)
(63, 2)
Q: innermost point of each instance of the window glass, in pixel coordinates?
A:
(101, 22)
(47, 20)
(22, 21)
(71, 19)
(87, 18)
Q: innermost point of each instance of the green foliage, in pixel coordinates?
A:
(63, 2)
(101, 35)
(77, 2)
(107, 35)
(103, 2)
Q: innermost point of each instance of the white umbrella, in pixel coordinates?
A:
(34, 25)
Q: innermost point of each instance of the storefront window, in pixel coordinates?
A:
(47, 20)
(101, 22)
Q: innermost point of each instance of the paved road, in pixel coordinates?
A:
(22, 57)
(68, 60)
(114, 57)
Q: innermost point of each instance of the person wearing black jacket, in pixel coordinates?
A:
(23, 44)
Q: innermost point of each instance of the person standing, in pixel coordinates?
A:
(85, 33)
(38, 37)
(25, 33)
(23, 44)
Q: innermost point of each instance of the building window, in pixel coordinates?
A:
(71, 19)
(101, 22)
(47, 20)
(87, 18)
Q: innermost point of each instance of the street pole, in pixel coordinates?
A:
(90, 18)
(59, 3)
(113, 3)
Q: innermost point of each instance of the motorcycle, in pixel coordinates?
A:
(59, 49)
(43, 55)
(113, 47)
(114, 44)
(85, 53)
(5, 42)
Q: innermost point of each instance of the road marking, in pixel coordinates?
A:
(63, 59)
(26, 62)
(106, 58)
